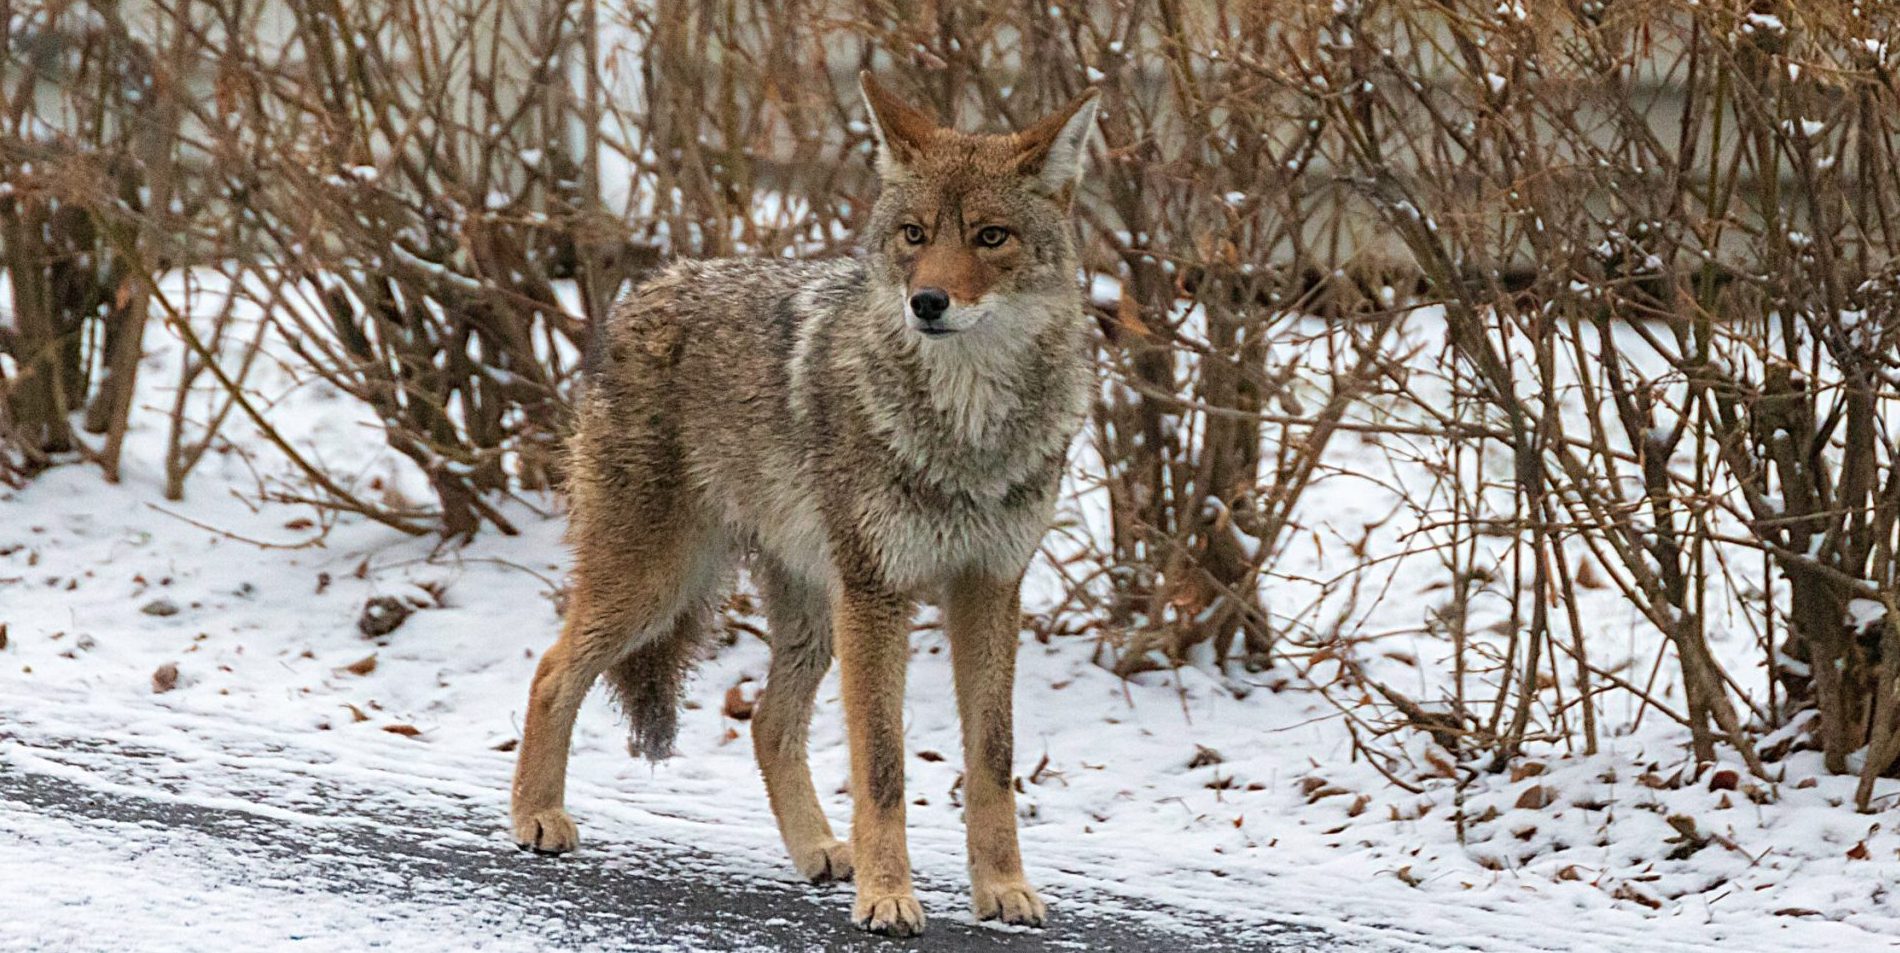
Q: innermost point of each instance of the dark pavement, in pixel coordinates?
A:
(609, 897)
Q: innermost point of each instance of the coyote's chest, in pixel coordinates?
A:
(918, 528)
(920, 514)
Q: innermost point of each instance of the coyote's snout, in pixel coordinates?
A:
(866, 432)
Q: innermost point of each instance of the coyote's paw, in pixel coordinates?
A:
(1011, 902)
(547, 831)
(894, 914)
(828, 862)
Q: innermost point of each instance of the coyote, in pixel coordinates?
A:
(866, 432)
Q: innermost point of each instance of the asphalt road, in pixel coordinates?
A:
(647, 899)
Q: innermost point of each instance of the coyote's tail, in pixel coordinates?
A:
(648, 681)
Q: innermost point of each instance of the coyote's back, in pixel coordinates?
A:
(867, 432)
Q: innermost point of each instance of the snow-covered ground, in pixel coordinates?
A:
(166, 626)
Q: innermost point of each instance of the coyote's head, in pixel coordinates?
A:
(973, 230)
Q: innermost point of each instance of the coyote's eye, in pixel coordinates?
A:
(914, 234)
(992, 236)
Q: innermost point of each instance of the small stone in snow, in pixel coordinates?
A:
(160, 607)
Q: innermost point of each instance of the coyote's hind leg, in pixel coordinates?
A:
(624, 598)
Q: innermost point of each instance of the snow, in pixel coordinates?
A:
(1287, 822)
(197, 898)
(1763, 23)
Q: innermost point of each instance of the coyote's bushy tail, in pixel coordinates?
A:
(647, 684)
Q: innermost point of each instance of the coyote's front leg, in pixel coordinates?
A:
(985, 617)
(873, 649)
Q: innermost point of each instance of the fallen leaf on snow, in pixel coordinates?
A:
(1526, 769)
(407, 731)
(381, 616)
(738, 707)
(1629, 891)
(166, 678)
(362, 666)
(1536, 797)
(1204, 756)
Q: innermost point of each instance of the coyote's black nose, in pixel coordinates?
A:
(929, 304)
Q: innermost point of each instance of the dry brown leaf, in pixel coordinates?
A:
(1587, 575)
(356, 714)
(362, 666)
(737, 707)
(3, 636)
(929, 755)
(1629, 891)
(1536, 798)
(407, 731)
(1725, 780)
(166, 678)
(381, 615)
(1655, 782)
(1204, 756)
(509, 745)
(1527, 769)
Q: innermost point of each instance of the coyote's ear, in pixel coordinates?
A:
(901, 128)
(1052, 150)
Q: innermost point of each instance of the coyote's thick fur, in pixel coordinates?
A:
(867, 432)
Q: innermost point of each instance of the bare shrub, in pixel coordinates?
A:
(1661, 236)
(1673, 218)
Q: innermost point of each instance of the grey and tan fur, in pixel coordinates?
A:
(868, 432)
